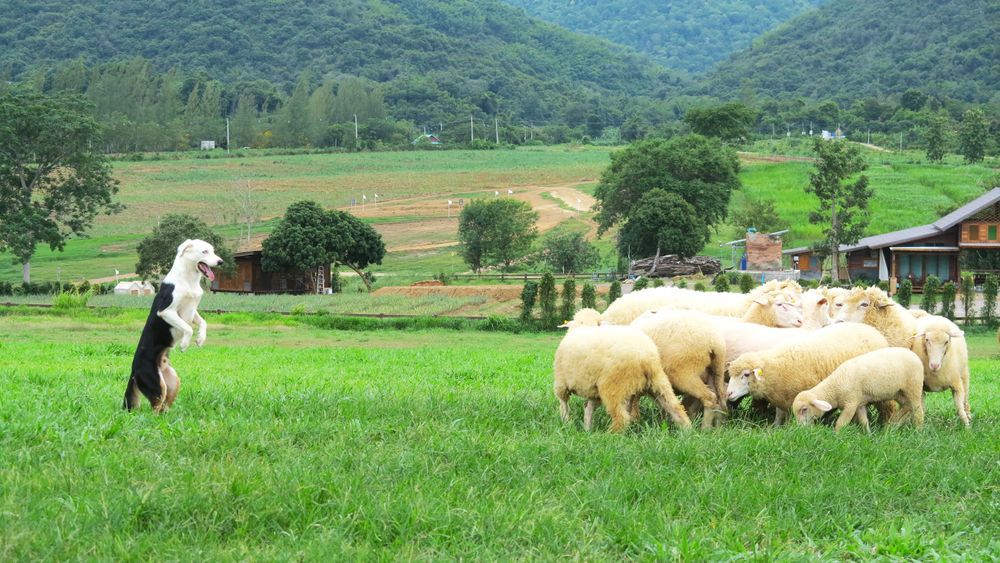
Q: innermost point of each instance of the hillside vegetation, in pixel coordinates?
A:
(437, 60)
(688, 35)
(849, 49)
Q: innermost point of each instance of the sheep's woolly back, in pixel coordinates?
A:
(630, 306)
(584, 317)
(742, 337)
(685, 337)
(797, 365)
(878, 375)
(885, 315)
(588, 355)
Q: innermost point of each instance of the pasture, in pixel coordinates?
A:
(290, 441)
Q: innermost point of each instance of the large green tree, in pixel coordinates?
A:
(158, 250)
(496, 231)
(843, 207)
(662, 223)
(729, 122)
(972, 135)
(700, 170)
(310, 237)
(760, 214)
(53, 179)
(569, 252)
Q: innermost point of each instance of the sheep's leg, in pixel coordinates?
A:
(619, 414)
(633, 407)
(958, 394)
(663, 392)
(905, 410)
(691, 384)
(965, 385)
(886, 410)
(779, 416)
(588, 413)
(917, 405)
(862, 418)
(849, 411)
(562, 393)
(691, 405)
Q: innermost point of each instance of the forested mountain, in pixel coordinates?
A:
(851, 49)
(435, 59)
(688, 35)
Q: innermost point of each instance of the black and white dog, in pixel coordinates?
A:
(175, 308)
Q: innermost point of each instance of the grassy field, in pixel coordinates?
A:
(293, 442)
(908, 191)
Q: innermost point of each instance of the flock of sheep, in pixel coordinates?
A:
(804, 352)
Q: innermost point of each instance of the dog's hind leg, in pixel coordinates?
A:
(132, 395)
(172, 383)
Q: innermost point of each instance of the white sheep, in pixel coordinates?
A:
(780, 373)
(693, 355)
(881, 375)
(941, 347)
(612, 364)
(769, 306)
(875, 308)
(815, 309)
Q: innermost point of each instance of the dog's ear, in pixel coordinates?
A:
(184, 246)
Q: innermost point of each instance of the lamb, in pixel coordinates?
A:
(754, 307)
(881, 375)
(815, 309)
(782, 372)
(875, 308)
(941, 347)
(612, 364)
(693, 355)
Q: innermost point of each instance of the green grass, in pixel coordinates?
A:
(293, 442)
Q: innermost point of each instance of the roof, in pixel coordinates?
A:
(923, 231)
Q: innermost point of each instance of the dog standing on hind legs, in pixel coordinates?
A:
(175, 309)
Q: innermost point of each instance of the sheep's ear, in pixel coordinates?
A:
(564, 325)
(918, 336)
(762, 301)
(956, 333)
(822, 301)
(758, 374)
(603, 322)
(822, 405)
(884, 304)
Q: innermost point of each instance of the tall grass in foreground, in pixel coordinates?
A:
(293, 442)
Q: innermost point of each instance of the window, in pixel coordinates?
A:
(973, 232)
(992, 232)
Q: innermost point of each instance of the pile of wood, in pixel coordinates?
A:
(670, 265)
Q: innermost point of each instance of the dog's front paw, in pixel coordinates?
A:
(185, 342)
(200, 340)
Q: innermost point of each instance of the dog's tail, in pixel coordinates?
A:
(131, 400)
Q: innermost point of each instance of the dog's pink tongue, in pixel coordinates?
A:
(207, 271)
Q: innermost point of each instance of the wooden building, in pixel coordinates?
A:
(806, 262)
(926, 250)
(250, 277)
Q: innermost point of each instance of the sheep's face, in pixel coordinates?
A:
(936, 344)
(787, 314)
(858, 304)
(816, 308)
(741, 371)
(807, 409)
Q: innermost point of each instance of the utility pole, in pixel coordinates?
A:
(532, 130)
(900, 141)
(496, 127)
(227, 135)
(356, 141)
(869, 135)
(472, 130)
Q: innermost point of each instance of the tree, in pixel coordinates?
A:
(496, 231)
(972, 136)
(758, 213)
(728, 122)
(662, 223)
(588, 296)
(53, 180)
(842, 207)
(158, 250)
(309, 237)
(614, 292)
(698, 169)
(547, 300)
(935, 138)
(569, 252)
(245, 207)
(528, 295)
(568, 307)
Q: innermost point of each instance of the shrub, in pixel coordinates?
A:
(528, 295)
(336, 284)
(614, 292)
(721, 283)
(905, 293)
(71, 300)
(990, 287)
(657, 282)
(747, 283)
(298, 309)
(682, 284)
(568, 300)
(588, 296)
(6, 288)
(968, 293)
(641, 283)
(948, 292)
(733, 277)
(699, 286)
(928, 302)
(547, 300)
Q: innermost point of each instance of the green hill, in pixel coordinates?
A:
(435, 58)
(688, 35)
(850, 49)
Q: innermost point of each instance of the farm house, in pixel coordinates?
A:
(917, 252)
(250, 277)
